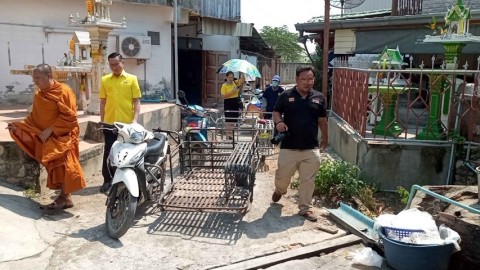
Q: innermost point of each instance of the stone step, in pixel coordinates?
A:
(18, 168)
(91, 157)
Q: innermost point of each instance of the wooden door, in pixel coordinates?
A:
(212, 81)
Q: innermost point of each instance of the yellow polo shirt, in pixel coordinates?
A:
(119, 93)
(226, 88)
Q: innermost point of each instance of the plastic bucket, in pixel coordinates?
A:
(478, 180)
(403, 256)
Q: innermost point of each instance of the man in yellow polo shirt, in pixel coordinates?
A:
(119, 102)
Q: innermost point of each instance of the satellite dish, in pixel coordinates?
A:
(345, 4)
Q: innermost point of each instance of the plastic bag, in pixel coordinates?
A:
(384, 220)
(414, 219)
(411, 219)
(423, 239)
(449, 236)
(367, 257)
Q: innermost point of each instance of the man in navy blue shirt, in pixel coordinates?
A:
(300, 112)
(271, 95)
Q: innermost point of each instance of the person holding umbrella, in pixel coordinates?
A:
(231, 99)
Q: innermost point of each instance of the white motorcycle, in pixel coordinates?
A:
(139, 158)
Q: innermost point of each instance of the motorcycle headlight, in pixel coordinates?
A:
(136, 137)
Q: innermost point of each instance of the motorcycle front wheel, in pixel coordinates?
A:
(120, 211)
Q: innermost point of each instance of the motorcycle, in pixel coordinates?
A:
(195, 120)
(195, 123)
(256, 103)
(139, 158)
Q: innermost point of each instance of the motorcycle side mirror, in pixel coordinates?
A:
(181, 94)
(181, 97)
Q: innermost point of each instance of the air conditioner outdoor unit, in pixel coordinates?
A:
(138, 47)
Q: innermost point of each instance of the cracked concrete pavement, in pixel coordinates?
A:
(75, 238)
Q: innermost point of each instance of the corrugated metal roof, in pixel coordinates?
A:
(371, 5)
(218, 27)
(373, 22)
(219, 9)
(362, 14)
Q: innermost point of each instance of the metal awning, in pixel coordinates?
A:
(220, 27)
(408, 41)
(256, 44)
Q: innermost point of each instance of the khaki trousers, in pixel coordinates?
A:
(307, 163)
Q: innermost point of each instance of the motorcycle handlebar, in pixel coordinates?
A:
(173, 134)
(186, 107)
(165, 131)
(105, 126)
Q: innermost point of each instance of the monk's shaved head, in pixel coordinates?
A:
(44, 69)
(42, 76)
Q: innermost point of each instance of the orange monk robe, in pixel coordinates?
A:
(55, 108)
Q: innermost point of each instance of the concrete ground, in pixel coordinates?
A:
(76, 238)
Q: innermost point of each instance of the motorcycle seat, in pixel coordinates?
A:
(155, 146)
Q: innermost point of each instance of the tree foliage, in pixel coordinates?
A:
(318, 67)
(284, 43)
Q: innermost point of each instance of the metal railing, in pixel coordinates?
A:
(406, 7)
(408, 104)
(416, 188)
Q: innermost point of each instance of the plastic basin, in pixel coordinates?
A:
(404, 256)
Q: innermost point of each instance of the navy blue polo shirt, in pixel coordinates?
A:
(301, 117)
(271, 96)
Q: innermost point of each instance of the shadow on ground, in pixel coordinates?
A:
(97, 234)
(20, 205)
(221, 226)
(271, 221)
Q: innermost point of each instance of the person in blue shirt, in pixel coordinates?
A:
(271, 95)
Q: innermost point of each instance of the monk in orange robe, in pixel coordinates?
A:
(50, 135)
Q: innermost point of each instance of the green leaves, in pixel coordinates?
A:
(338, 179)
(318, 66)
(403, 193)
(284, 43)
(432, 24)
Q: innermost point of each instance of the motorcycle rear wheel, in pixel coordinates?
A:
(120, 215)
(198, 154)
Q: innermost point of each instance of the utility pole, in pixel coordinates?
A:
(326, 39)
(175, 38)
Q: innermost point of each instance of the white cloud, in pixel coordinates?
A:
(277, 13)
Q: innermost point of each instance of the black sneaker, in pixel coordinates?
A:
(105, 187)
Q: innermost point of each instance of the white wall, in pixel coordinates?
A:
(27, 24)
(143, 18)
(344, 41)
(222, 43)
